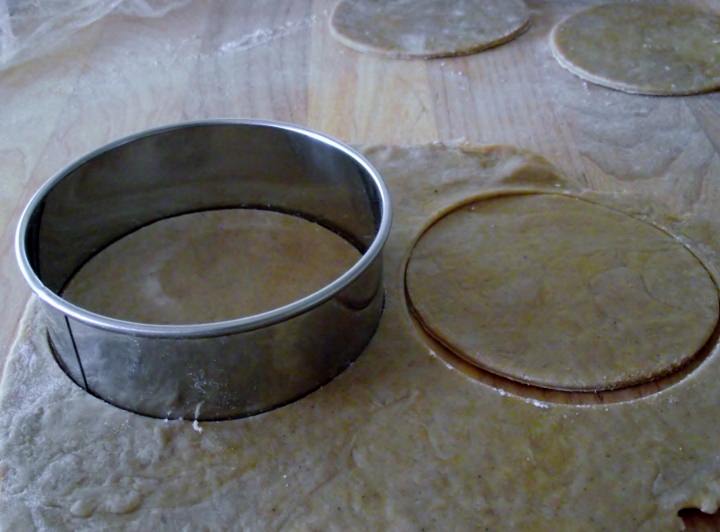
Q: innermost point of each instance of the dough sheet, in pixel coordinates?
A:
(193, 276)
(400, 440)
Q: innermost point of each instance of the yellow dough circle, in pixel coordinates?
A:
(211, 266)
(642, 48)
(427, 28)
(561, 293)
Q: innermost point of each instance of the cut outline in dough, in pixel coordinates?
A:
(400, 54)
(453, 358)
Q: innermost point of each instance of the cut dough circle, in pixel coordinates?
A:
(211, 266)
(653, 49)
(427, 28)
(561, 293)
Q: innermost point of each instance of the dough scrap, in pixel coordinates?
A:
(427, 28)
(398, 440)
(199, 267)
(561, 293)
(642, 48)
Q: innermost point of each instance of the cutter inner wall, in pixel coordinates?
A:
(192, 169)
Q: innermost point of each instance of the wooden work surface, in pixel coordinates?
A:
(275, 59)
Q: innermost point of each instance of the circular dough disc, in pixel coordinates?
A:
(427, 28)
(211, 266)
(642, 48)
(561, 293)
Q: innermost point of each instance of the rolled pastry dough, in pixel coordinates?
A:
(642, 48)
(397, 441)
(427, 28)
(211, 266)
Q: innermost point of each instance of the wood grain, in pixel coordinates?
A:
(275, 59)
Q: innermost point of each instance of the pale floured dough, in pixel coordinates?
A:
(642, 48)
(559, 292)
(427, 28)
(398, 441)
(203, 267)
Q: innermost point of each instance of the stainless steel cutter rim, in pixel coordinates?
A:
(208, 329)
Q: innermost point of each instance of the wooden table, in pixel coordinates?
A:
(275, 59)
